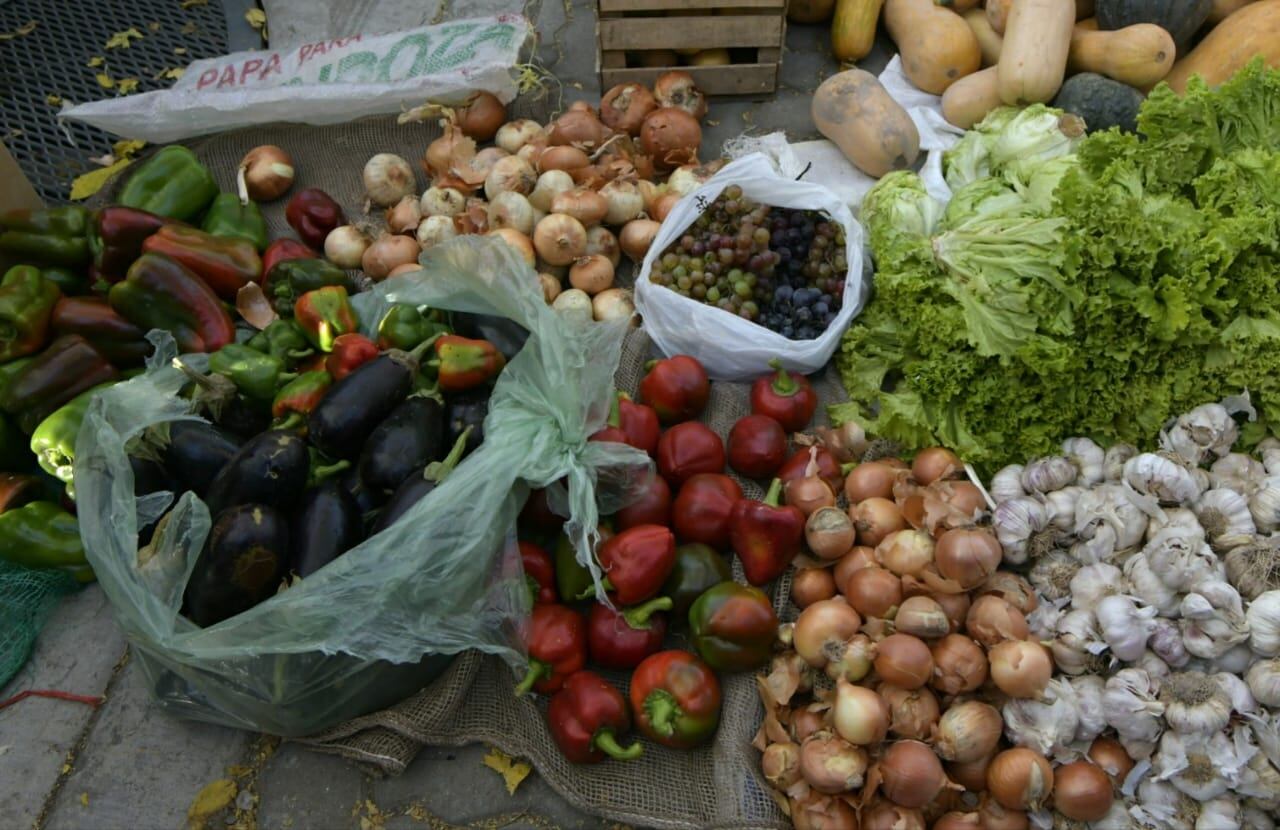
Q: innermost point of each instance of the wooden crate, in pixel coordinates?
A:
(752, 30)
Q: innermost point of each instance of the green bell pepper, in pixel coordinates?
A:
(230, 217)
(573, 581)
(257, 375)
(43, 535)
(282, 339)
(291, 278)
(26, 305)
(405, 327)
(298, 397)
(171, 183)
(324, 315)
(698, 567)
(54, 440)
(56, 236)
(72, 282)
(733, 627)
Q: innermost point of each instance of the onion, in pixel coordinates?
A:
(822, 629)
(663, 205)
(636, 237)
(438, 159)
(677, 89)
(875, 518)
(992, 620)
(592, 274)
(831, 764)
(959, 665)
(711, 57)
(934, 463)
(518, 243)
(969, 556)
(1110, 755)
(614, 304)
(582, 203)
(267, 171)
(996, 817)
(511, 210)
(912, 712)
(657, 58)
(956, 607)
(442, 201)
(388, 251)
(1082, 791)
(435, 229)
(956, 820)
(671, 136)
(515, 134)
(972, 775)
(405, 216)
(912, 773)
(550, 287)
(345, 245)
(967, 731)
(482, 116)
(873, 479)
(1011, 588)
(922, 616)
(906, 552)
(810, 491)
(624, 107)
(560, 239)
(874, 591)
(575, 304)
(846, 442)
(854, 660)
(1020, 668)
(579, 127)
(404, 268)
(855, 560)
(688, 178)
(600, 240)
(885, 815)
(904, 661)
(549, 185)
(624, 201)
(563, 158)
(829, 533)
(822, 812)
(780, 764)
(1020, 779)
(860, 715)
(810, 585)
(532, 152)
(388, 179)
(509, 174)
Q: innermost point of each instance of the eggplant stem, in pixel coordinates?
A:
(437, 470)
(607, 742)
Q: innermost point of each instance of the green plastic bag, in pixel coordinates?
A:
(383, 619)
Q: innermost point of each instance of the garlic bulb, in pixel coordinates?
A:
(1263, 618)
(1088, 458)
(1125, 626)
(1237, 471)
(1114, 459)
(1047, 474)
(1260, 781)
(1007, 484)
(1219, 813)
(1195, 703)
(1212, 619)
(1162, 805)
(1180, 518)
(1166, 642)
(1077, 643)
(1117, 818)
(1265, 727)
(1101, 547)
(1257, 818)
(1147, 586)
(1181, 558)
(1254, 568)
(1046, 725)
(1161, 477)
(1110, 505)
(1061, 506)
(1155, 667)
(1200, 434)
(1094, 582)
(1089, 707)
(1242, 702)
(1052, 573)
(1202, 766)
(1224, 515)
(1020, 525)
(1263, 678)
(1264, 505)
(1130, 706)
(1235, 660)
(1042, 622)
(1268, 450)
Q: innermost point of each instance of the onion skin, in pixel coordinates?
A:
(1082, 791)
(921, 616)
(972, 775)
(912, 714)
(1013, 589)
(855, 560)
(780, 764)
(912, 773)
(996, 817)
(677, 89)
(885, 815)
(967, 731)
(805, 722)
(1020, 779)
(870, 479)
(822, 812)
(1108, 754)
(387, 252)
(482, 116)
(583, 204)
(559, 239)
(579, 127)
(904, 661)
(828, 533)
(671, 136)
(600, 240)
(956, 606)
(563, 158)
(935, 463)
(624, 107)
(991, 620)
(810, 585)
(832, 765)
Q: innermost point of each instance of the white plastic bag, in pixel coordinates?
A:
(328, 82)
(730, 347)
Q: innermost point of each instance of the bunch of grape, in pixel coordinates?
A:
(781, 268)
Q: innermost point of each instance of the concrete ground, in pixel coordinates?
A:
(68, 766)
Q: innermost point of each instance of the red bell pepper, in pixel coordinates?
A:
(539, 573)
(677, 388)
(162, 293)
(784, 396)
(280, 251)
(117, 236)
(688, 449)
(637, 561)
(651, 507)
(587, 717)
(538, 515)
(612, 430)
(757, 446)
(733, 627)
(350, 351)
(324, 314)
(312, 213)
(557, 644)
(93, 318)
(797, 466)
(676, 699)
(766, 536)
(639, 423)
(620, 639)
(703, 509)
(466, 363)
(226, 264)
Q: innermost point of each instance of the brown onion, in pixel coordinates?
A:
(872, 479)
(780, 764)
(518, 242)
(829, 533)
(514, 135)
(1020, 668)
(584, 106)
(810, 585)
(404, 216)
(600, 240)
(991, 620)
(856, 559)
(388, 251)
(846, 442)
(921, 616)
(677, 89)
(967, 731)
(969, 556)
(972, 775)
(822, 812)
(959, 665)
(624, 107)
(267, 173)
(404, 268)
(562, 158)
(996, 817)
(1111, 756)
(1082, 791)
(1013, 589)
(583, 204)
(831, 764)
(934, 463)
(579, 128)
(885, 815)
(859, 715)
(822, 629)
(809, 494)
(1020, 779)
(592, 273)
(854, 660)
(956, 820)
(904, 661)
(956, 607)
(663, 205)
(964, 497)
(559, 239)
(805, 722)
(671, 136)
(912, 712)
(912, 774)
(482, 116)
(551, 287)
(873, 592)
(439, 156)
(906, 552)
(875, 518)
(636, 237)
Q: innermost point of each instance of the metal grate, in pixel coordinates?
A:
(53, 60)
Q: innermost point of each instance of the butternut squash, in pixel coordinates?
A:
(853, 28)
(1222, 9)
(1251, 32)
(1084, 8)
(873, 131)
(998, 14)
(937, 47)
(1138, 55)
(989, 40)
(1033, 59)
(809, 11)
(968, 100)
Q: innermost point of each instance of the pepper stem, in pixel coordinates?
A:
(847, 467)
(638, 616)
(607, 742)
(292, 421)
(615, 412)
(590, 590)
(662, 709)
(533, 587)
(773, 497)
(537, 671)
(648, 367)
(437, 470)
(783, 383)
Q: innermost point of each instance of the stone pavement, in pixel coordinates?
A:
(126, 766)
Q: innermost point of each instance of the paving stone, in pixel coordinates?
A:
(299, 788)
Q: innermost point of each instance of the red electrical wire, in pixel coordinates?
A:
(90, 700)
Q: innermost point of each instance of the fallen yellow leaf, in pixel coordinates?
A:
(95, 62)
(127, 85)
(127, 148)
(179, 50)
(154, 25)
(53, 100)
(90, 183)
(257, 18)
(188, 28)
(214, 798)
(84, 800)
(121, 40)
(22, 31)
(171, 74)
(104, 80)
(66, 769)
(513, 772)
(188, 4)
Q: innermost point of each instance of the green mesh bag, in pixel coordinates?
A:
(27, 598)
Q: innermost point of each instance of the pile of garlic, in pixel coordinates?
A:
(1159, 580)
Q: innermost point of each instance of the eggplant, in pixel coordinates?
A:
(270, 469)
(354, 406)
(466, 409)
(196, 453)
(404, 443)
(149, 476)
(244, 417)
(243, 563)
(328, 524)
(417, 486)
(365, 497)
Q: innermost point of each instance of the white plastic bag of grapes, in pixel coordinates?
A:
(753, 266)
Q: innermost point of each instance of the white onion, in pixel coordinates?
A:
(388, 179)
(574, 304)
(345, 245)
(515, 134)
(614, 304)
(511, 210)
(442, 201)
(625, 202)
(435, 229)
(509, 174)
(549, 184)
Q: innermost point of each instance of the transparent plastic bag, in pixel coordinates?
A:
(380, 621)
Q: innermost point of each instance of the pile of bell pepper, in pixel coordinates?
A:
(666, 567)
